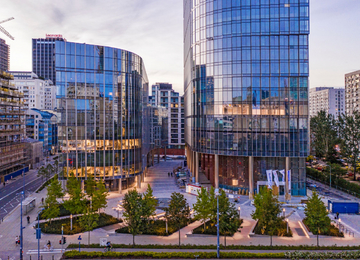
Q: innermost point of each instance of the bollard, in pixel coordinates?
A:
(30, 257)
(41, 258)
(53, 257)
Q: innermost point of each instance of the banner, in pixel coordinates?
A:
(282, 172)
(269, 178)
(276, 179)
(289, 178)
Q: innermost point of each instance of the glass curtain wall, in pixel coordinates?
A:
(100, 93)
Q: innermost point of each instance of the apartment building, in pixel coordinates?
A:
(329, 99)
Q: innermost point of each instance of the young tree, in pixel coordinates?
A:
(178, 211)
(89, 220)
(49, 170)
(54, 192)
(99, 197)
(56, 163)
(228, 215)
(149, 204)
(202, 206)
(133, 212)
(267, 209)
(323, 134)
(349, 133)
(42, 172)
(316, 216)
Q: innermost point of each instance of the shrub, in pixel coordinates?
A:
(331, 231)
(323, 255)
(280, 231)
(163, 255)
(55, 226)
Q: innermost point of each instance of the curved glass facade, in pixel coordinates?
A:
(246, 85)
(100, 95)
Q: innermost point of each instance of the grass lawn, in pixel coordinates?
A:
(55, 226)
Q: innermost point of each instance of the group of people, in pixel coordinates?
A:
(170, 174)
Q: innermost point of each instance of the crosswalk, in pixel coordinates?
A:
(43, 251)
(11, 258)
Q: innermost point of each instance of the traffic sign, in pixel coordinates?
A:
(79, 238)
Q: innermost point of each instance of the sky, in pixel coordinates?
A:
(153, 29)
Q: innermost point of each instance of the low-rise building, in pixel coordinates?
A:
(34, 152)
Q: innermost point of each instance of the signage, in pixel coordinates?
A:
(276, 179)
(269, 178)
(54, 36)
(79, 238)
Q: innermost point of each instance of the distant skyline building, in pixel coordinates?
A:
(38, 93)
(163, 95)
(4, 56)
(246, 71)
(352, 92)
(329, 99)
(43, 56)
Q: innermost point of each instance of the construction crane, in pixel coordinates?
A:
(4, 31)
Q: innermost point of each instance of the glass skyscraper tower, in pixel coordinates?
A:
(100, 96)
(246, 91)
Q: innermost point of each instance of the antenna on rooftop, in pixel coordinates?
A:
(4, 31)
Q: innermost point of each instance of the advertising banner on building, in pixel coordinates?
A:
(276, 179)
(269, 178)
(282, 172)
(289, 178)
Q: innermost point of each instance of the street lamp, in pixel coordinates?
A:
(239, 211)
(339, 222)
(283, 212)
(38, 232)
(21, 227)
(217, 226)
(287, 225)
(71, 221)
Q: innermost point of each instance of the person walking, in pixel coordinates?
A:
(28, 219)
(168, 174)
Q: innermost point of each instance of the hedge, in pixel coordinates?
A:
(55, 226)
(336, 181)
(323, 255)
(163, 255)
(228, 247)
(211, 229)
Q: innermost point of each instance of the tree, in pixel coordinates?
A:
(56, 163)
(228, 216)
(54, 192)
(76, 202)
(201, 207)
(316, 216)
(323, 135)
(89, 220)
(349, 133)
(133, 212)
(50, 170)
(149, 204)
(267, 209)
(99, 197)
(178, 211)
(42, 172)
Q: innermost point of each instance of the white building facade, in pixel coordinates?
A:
(352, 84)
(38, 93)
(329, 99)
(163, 95)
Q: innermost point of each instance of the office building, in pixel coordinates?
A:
(42, 126)
(331, 100)
(38, 93)
(163, 95)
(34, 152)
(352, 92)
(12, 129)
(101, 101)
(246, 92)
(43, 56)
(4, 56)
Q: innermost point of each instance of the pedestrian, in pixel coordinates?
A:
(4, 184)
(337, 215)
(171, 174)
(28, 219)
(168, 174)
(17, 240)
(42, 201)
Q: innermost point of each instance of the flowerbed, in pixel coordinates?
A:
(281, 230)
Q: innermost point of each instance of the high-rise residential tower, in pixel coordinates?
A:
(352, 92)
(329, 99)
(4, 56)
(246, 92)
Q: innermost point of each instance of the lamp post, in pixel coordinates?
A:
(339, 222)
(21, 227)
(166, 223)
(283, 212)
(239, 211)
(38, 232)
(217, 226)
(70, 221)
(287, 225)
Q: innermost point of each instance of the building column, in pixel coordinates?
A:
(196, 167)
(82, 186)
(287, 190)
(152, 158)
(139, 181)
(143, 176)
(158, 155)
(251, 177)
(216, 171)
(119, 186)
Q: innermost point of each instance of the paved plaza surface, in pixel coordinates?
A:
(163, 186)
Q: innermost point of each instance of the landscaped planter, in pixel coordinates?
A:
(256, 231)
(333, 232)
(210, 230)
